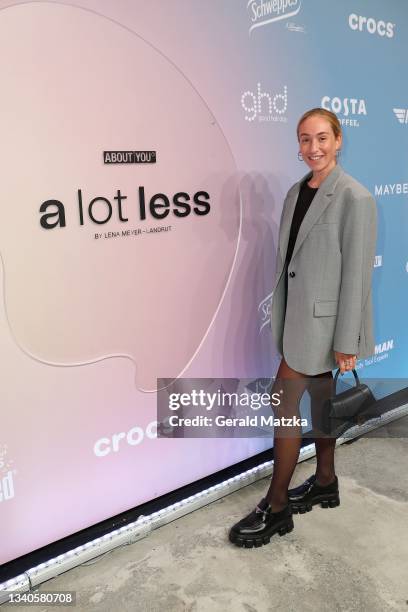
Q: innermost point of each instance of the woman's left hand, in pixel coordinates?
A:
(345, 361)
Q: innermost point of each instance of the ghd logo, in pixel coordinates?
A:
(264, 106)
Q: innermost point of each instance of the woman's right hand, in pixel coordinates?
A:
(345, 361)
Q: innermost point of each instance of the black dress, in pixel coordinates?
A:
(305, 197)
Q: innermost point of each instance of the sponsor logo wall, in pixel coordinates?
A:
(140, 224)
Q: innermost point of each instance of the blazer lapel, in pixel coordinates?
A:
(320, 202)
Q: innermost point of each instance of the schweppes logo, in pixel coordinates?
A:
(264, 12)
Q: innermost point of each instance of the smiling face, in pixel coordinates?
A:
(318, 145)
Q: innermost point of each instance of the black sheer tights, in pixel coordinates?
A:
(287, 440)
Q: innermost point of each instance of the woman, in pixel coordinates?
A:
(321, 316)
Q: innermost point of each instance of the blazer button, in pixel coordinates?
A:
(292, 274)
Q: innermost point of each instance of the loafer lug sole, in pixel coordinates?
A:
(248, 541)
(325, 501)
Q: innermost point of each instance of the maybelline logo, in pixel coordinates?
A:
(369, 24)
(129, 157)
(115, 442)
(265, 106)
(264, 310)
(6, 487)
(401, 114)
(377, 261)
(391, 189)
(263, 12)
(345, 107)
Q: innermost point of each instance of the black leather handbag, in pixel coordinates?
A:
(346, 409)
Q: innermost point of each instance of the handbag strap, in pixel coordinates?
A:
(337, 375)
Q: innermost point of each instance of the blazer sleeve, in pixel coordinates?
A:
(358, 243)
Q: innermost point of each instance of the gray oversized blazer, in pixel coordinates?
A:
(329, 305)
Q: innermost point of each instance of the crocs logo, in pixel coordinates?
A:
(358, 22)
(113, 444)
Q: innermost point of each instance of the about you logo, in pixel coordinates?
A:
(264, 12)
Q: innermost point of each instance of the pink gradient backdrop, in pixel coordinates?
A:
(86, 325)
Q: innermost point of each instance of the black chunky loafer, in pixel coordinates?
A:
(304, 497)
(259, 526)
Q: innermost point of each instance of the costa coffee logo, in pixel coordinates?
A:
(348, 109)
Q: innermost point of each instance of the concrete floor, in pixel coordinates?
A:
(354, 557)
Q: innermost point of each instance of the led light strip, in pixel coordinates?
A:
(145, 524)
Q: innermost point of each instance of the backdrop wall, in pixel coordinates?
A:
(115, 274)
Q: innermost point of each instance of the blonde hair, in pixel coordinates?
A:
(326, 114)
